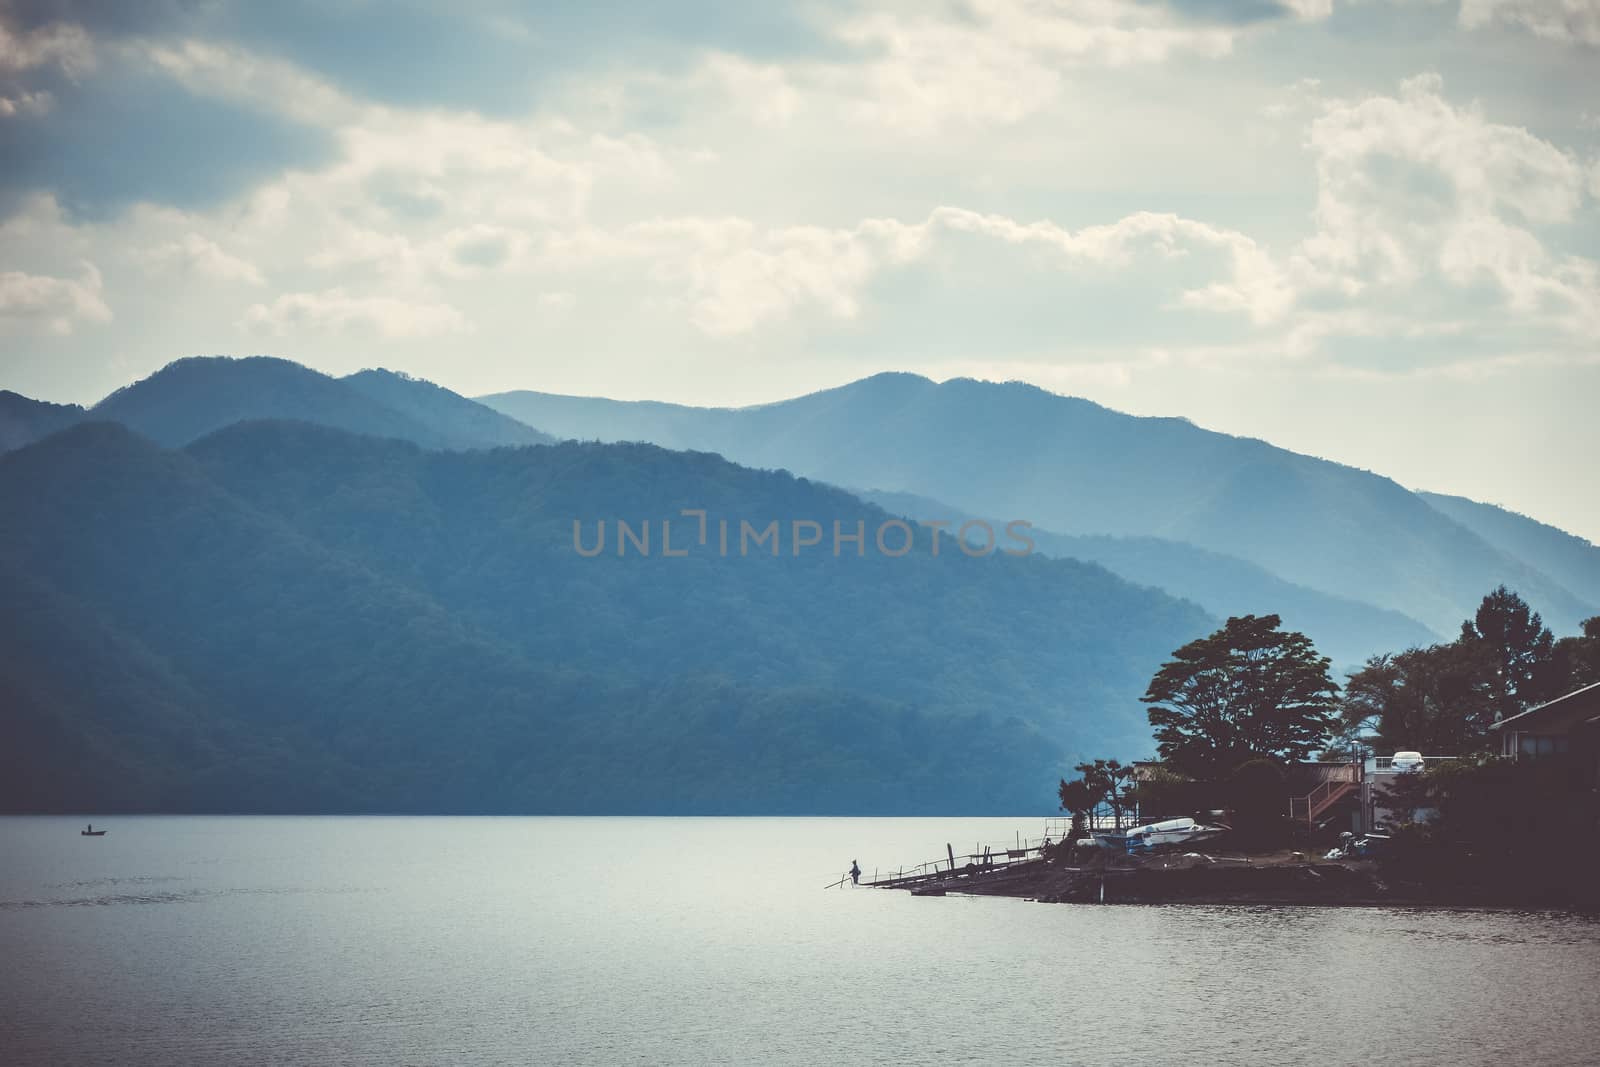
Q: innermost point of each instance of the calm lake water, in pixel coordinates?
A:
(699, 941)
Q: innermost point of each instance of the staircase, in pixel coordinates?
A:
(1340, 782)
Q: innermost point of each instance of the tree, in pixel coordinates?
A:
(1108, 777)
(1439, 699)
(1078, 798)
(1578, 658)
(1519, 649)
(1247, 691)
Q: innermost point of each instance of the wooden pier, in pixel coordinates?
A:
(984, 864)
(987, 866)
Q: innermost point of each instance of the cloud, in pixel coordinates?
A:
(129, 136)
(922, 68)
(199, 255)
(55, 304)
(63, 45)
(1415, 192)
(473, 249)
(1570, 21)
(734, 276)
(498, 57)
(1001, 60)
(25, 104)
(336, 311)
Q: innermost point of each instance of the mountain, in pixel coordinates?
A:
(1570, 560)
(24, 420)
(490, 536)
(1346, 630)
(1069, 465)
(289, 617)
(190, 398)
(450, 417)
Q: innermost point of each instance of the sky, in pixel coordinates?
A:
(1364, 230)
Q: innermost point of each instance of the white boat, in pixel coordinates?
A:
(1160, 834)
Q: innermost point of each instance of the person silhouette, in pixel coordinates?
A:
(855, 873)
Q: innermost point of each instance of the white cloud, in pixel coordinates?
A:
(1000, 60)
(229, 72)
(26, 104)
(1572, 21)
(196, 254)
(469, 251)
(735, 276)
(55, 304)
(59, 44)
(336, 311)
(1414, 190)
(555, 303)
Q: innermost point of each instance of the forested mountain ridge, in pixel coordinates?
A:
(491, 536)
(451, 418)
(1571, 560)
(1077, 468)
(190, 398)
(1346, 630)
(23, 419)
(286, 617)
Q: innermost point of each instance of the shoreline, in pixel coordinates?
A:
(1269, 880)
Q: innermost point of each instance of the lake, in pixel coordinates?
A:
(400, 940)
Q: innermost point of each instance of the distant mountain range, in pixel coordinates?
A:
(23, 420)
(244, 585)
(190, 398)
(289, 617)
(1345, 630)
(1078, 469)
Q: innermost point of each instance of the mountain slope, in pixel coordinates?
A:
(1069, 465)
(307, 661)
(286, 617)
(1346, 630)
(190, 398)
(24, 420)
(1066, 645)
(451, 418)
(1570, 560)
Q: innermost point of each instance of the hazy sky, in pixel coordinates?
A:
(1367, 230)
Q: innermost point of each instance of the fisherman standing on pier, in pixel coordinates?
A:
(855, 873)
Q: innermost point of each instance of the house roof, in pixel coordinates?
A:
(1563, 702)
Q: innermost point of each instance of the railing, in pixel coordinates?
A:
(986, 857)
(1332, 790)
(1385, 764)
(1057, 827)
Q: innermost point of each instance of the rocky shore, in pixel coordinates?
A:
(1282, 878)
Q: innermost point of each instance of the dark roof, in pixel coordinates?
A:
(1560, 700)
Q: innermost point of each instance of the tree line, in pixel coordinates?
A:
(1235, 712)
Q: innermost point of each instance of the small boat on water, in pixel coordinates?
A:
(90, 831)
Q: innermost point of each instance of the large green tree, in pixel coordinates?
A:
(1518, 649)
(1441, 699)
(1578, 658)
(1247, 691)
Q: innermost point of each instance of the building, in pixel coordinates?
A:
(1566, 731)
